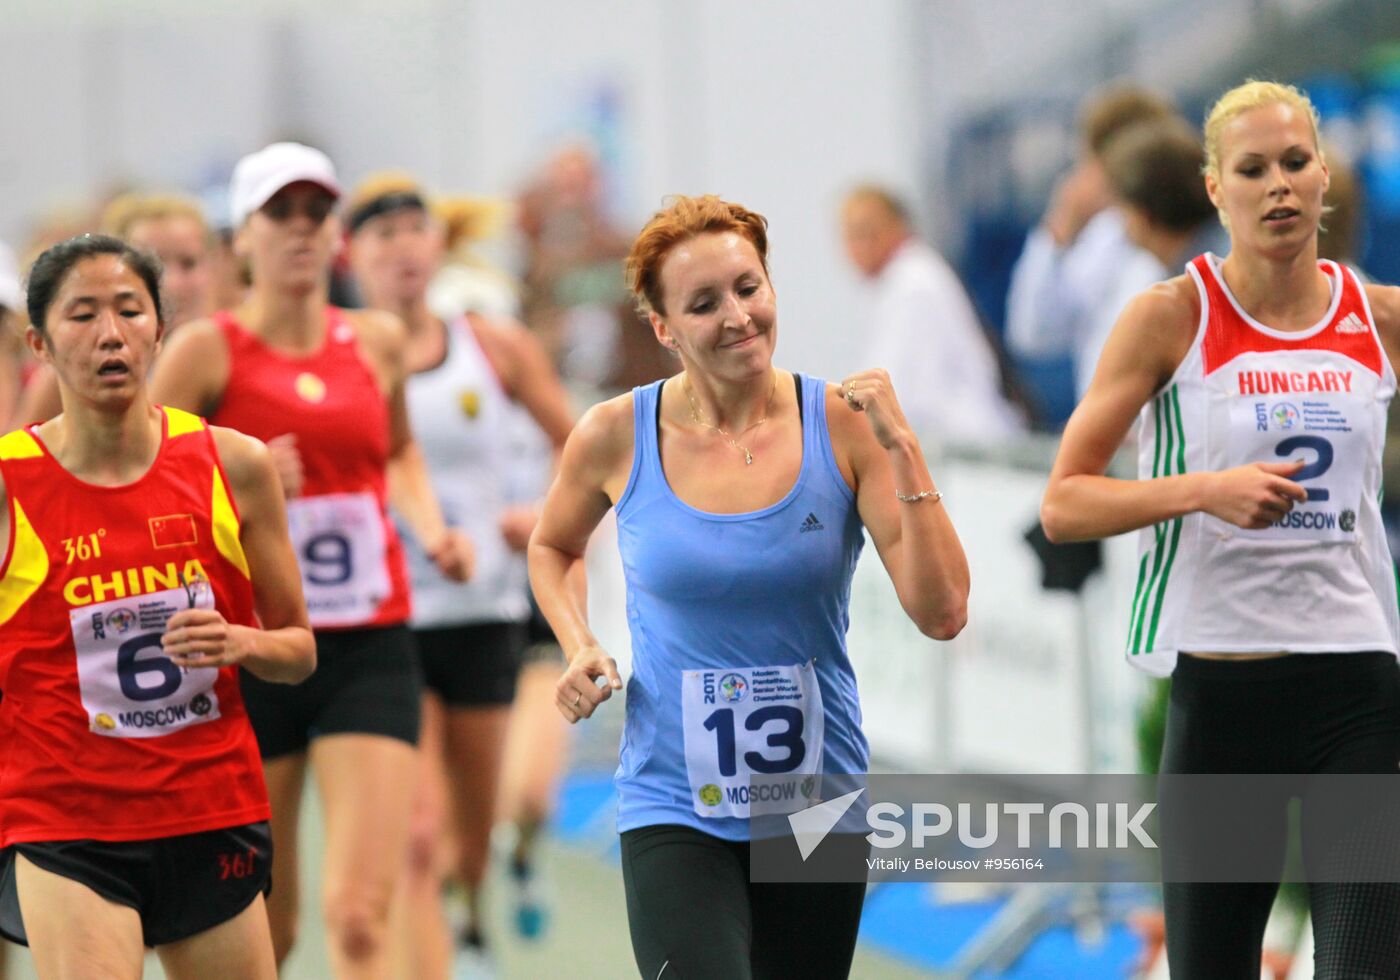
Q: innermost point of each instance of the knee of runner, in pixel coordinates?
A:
(358, 925)
(423, 851)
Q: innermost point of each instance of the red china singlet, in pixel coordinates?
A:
(104, 737)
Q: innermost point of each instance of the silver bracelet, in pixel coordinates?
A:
(914, 498)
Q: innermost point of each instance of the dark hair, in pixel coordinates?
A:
(51, 268)
(1113, 109)
(1156, 166)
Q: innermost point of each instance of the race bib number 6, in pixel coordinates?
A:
(744, 720)
(128, 686)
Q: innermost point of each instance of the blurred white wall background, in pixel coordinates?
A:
(778, 103)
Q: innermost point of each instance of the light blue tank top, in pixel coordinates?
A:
(738, 625)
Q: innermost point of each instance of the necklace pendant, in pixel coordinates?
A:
(748, 458)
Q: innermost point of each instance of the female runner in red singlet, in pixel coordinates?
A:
(142, 550)
(324, 387)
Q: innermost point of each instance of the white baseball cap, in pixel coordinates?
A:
(11, 295)
(260, 175)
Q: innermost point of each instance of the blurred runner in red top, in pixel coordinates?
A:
(325, 389)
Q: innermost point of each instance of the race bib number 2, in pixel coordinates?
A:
(340, 547)
(1331, 439)
(128, 686)
(744, 720)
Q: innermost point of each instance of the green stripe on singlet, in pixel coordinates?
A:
(1163, 404)
(1176, 524)
(1142, 565)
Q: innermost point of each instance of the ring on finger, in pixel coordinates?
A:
(850, 393)
(577, 698)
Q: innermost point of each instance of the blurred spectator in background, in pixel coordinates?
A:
(468, 282)
(172, 226)
(575, 297)
(923, 329)
(12, 356)
(1071, 262)
(1153, 170)
(228, 271)
(1344, 204)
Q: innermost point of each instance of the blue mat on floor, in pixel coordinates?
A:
(903, 920)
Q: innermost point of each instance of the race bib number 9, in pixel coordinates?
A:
(744, 720)
(129, 688)
(339, 541)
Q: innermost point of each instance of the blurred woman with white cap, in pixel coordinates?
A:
(324, 388)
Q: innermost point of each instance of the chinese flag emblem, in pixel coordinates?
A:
(173, 530)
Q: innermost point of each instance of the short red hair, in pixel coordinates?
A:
(682, 219)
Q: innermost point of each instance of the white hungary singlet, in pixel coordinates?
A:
(1321, 579)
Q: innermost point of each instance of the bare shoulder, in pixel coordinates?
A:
(1154, 331)
(197, 341)
(379, 330)
(842, 422)
(605, 433)
(1171, 308)
(245, 459)
(1385, 306)
(504, 340)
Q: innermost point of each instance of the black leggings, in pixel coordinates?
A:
(695, 915)
(1306, 713)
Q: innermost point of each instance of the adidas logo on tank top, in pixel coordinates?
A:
(812, 524)
(1351, 323)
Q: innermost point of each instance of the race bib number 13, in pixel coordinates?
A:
(745, 720)
(129, 687)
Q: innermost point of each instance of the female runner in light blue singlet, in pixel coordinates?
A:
(741, 493)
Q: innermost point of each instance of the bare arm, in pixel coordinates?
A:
(1385, 310)
(192, 369)
(592, 472)
(283, 649)
(1145, 348)
(410, 489)
(529, 378)
(916, 540)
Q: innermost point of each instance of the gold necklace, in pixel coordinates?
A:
(700, 420)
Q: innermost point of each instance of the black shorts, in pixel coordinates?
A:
(367, 682)
(541, 645)
(1329, 713)
(180, 886)
(693, 912)
(474, 665)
